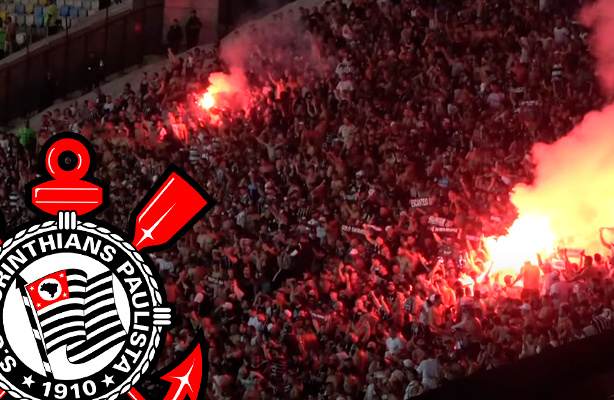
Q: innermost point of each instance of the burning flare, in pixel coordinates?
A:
(224, 91)
(206, 101)
(572, 195)
(528, 236)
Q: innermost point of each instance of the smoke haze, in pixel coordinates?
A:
(574, 177)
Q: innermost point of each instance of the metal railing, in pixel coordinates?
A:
(117, 35)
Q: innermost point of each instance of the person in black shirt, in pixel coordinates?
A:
(48, 91)
(174, 37)
(192, 30)
(93, 71)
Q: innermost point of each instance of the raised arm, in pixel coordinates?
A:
(602, 239)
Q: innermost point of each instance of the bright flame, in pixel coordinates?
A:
(206, 101)
(572, 192)
(528, 236)
(224, 91)
(571, 196)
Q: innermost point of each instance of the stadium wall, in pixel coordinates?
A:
(581, 370)
(121, 36)
(207, 11)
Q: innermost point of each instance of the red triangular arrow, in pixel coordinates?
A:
(186, 378)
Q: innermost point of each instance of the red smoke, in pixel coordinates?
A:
(224, 91)
(572, 195)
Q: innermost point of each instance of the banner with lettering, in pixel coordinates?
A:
(319, 317)
(444, 229)
(421, 202)
(353, 229)
(360, 231)
(440, 221)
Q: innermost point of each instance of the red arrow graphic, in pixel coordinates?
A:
(169, 209)
(186, 378)
(185, 375)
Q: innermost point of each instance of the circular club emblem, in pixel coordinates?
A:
(79, 310)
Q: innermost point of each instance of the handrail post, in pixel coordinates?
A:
(106, 37)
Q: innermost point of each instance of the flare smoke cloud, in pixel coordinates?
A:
(574, 177)
(599, 17)
(277, 39)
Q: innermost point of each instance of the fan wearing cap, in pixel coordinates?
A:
(528, 317)
(559, 290)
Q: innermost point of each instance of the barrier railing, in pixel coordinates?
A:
(581, 370)
(117, 35)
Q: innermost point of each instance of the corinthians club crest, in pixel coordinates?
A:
(83, 312)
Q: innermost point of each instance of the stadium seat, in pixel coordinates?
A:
(64, 11)
(29, 20)
(74, 13)
(21, 19)
(10, 8)
(87, 4)
(13, 17)
(39, 21)
(20, 9)
(95, 5)
(39, 10)
(3, 15)
(83, 13)
(59, 3)
(69, 2)
(29, 8)
(65, 23)
(77, 4)
(42, 2)
(3, 6)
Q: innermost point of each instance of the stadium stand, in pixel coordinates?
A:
(36, 19)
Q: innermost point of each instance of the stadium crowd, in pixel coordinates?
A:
(375, 147)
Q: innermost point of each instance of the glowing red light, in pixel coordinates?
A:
(206, 101)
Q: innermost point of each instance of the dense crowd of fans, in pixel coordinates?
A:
(376, 146)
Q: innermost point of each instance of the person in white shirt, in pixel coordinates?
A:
(256, 321)
(108, 106)
(496, 98)
(241, 216)
(559, 290)
(561, 34)
(395, 342)
(347, 129)
(164, 265)
(344, 88)
(343, 68)
(548, 278)
(412, 390)
(430, 370)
